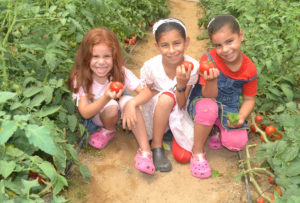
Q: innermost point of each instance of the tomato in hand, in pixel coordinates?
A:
(116, 86)
(270, 129)
(260, 200)
(205, 66)
(186, 65)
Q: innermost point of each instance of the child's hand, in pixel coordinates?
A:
(234, 120)
(129, 115)
(112, 94)
(213, 73)
(183, 75)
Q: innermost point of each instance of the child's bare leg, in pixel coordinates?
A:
(161, 118)
(201, 133)
(110, 117)
(140, 133)
(160, 121)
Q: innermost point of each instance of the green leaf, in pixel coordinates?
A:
(59, 184)
(6, 168)
(48, 111)
(4, 96)
(233, 118)
(40, 137)
(48, 170)
(28, 184)
(15, 105)
(72, 121)
(287, 90)
(29, 92)
(293, 169)
(7, 130)
(37, 100)
(291, 153)
(48, 93)
(50, 59)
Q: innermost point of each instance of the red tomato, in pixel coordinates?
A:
(258, 118)
(127, 40)
(252, 128)
(33, 175)
(40, 180)
(116, 86)
(278, 136)
(151, 24)
(270, 129)
(272, 198)
(262, 138)
(205, 66)
(271, 180)
(186, 65)
(278, 190)
(132, 41)
(260, 200)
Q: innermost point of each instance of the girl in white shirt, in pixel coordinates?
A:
(168, 81)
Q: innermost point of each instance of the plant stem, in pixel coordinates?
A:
(251, 176)
(5, 76)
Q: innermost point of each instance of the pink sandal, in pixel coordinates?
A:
(100, 138)
(199, 166)
(144, 162)
(214, 141)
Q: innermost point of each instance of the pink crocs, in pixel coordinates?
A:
(199, 166)
(214, 141)
(100, 138)
(144, 162)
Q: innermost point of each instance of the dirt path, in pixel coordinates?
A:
(113, 175)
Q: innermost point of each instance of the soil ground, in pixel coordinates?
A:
(113, 175)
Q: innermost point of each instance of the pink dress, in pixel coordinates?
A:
(131, 83)
(153, 74)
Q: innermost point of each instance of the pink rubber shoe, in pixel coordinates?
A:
(199, 166)
(144, 162)
(214, 141)
(100, 138)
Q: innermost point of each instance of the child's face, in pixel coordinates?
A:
(172, 45)
(102, 61)
(228, 45)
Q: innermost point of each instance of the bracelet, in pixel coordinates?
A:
(181, 89)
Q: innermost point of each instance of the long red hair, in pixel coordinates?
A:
(81, 74)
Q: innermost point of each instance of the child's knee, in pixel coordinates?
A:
(234, 140)
(206, 112)
(166, 99)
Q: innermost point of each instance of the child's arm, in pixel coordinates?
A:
(129, 111)
(88, 110)
(210, 89)
(182, 89)
(245, 110)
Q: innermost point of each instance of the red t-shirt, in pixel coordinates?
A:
(245, 72)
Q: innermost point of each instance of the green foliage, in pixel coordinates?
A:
(38, 119)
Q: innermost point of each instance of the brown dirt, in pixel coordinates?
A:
(113, 175)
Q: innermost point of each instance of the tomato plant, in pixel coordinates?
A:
(116, 86)
(187, 64)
